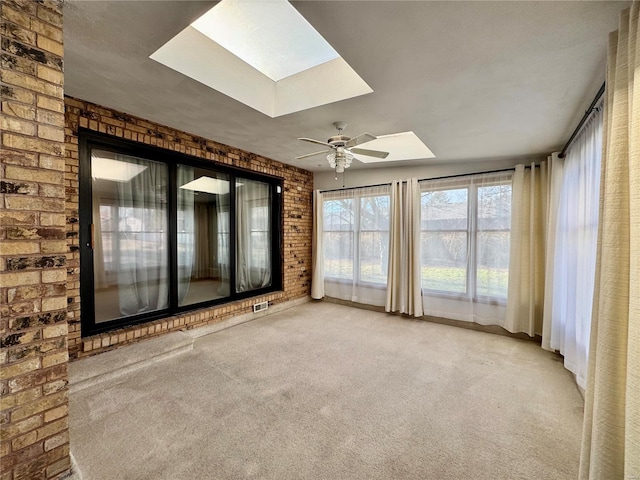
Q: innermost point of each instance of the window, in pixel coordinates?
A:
(163, 233)
(444, 239)
(356, 236)
(465, 231)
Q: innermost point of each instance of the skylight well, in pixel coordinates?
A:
(264, 54)
(271, 36)
(401, 146)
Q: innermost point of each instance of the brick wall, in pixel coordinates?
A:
(297, 226)
(33, 250)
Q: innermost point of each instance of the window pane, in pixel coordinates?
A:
(374, 213)
(444, 210)
(494, 207)
(338, 214)
(130, 251)
(444, 240)
(253, 244)
(444, 261)
(493, 264)
(339, 222)
(492, 247)
(203, 221)
(374, 256)
(374, 238)
(338, 254)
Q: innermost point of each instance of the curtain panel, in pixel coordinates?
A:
(143, 270)
(404, 289)
(317, 255)
(572, 251)
(555, 176)
(525, 298)
(186, 233)
(611, 431)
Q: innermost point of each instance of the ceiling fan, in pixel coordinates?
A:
(341, 148)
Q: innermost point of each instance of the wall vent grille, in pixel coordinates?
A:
(258, 307)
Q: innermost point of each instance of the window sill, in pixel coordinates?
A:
(463, 298)
(348, 282)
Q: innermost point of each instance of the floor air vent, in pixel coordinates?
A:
(258, 307)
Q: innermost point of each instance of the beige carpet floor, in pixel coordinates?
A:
(325, 391)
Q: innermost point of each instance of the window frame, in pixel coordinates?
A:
(471, 280)
(356, 234)
(88, 140)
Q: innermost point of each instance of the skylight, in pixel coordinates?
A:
(263, 54)
(401, 146)
(271, 36)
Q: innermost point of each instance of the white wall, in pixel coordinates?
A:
(362, 177)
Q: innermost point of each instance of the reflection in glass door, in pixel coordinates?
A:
(203, 235)
(253, 240)
(130, 247)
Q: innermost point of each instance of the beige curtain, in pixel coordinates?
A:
(404, 292)
(555, 167)
(394, 272)
(317, 262)
(611, 432)
(525, 298)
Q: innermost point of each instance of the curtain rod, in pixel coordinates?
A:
(425, 179)
(470, 174)
(592, 108)
(353, 188)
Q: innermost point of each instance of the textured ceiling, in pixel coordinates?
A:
(474, 80)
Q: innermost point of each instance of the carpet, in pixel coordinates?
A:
(326, 391)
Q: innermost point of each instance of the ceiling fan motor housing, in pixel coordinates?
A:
(338, 140)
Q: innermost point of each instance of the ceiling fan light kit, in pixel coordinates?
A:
(341, 148)
(340, 159)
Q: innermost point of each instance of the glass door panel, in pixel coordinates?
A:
(130, 242)
(253, 239)
(203, 235)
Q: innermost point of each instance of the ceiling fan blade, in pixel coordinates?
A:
(362, 138)
(369, 153)
(315, 141)
(311, 154)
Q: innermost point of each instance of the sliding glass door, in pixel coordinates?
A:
(163, 233)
